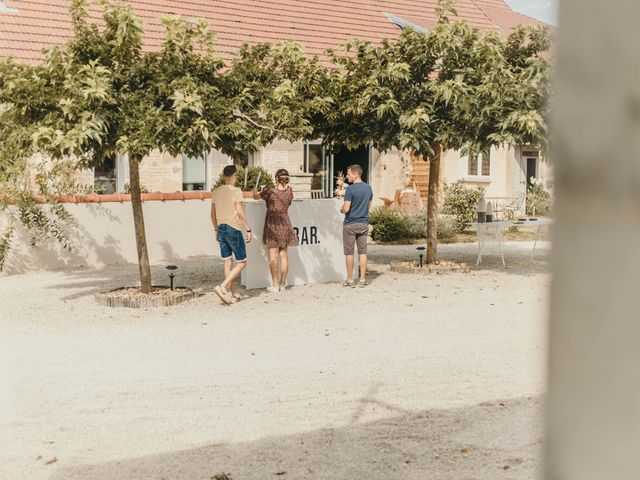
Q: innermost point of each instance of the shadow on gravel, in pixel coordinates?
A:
(495, 440)
(205, 273)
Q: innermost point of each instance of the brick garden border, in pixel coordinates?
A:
(439, 269)
(178, 296)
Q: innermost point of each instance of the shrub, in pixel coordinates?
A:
(127, 188)
(447, 228)
(418, 227)
(388, 225)
(391, 225)
(417, 223)
(538, 199)
(266, 180)
(461, 202)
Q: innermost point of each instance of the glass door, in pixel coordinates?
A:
(105, 176)
(532, 169)
(318, 161)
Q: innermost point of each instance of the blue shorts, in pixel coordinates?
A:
(231, 243)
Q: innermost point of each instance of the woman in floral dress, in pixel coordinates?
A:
(278, 234)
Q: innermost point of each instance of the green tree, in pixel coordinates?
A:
(101, 95)
(454, 87)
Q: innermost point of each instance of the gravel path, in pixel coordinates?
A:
(438, 374)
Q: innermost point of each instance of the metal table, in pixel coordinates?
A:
(494, 229)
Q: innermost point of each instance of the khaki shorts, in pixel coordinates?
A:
(355, 233)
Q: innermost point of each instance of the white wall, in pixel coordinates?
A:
(182, 229)
(105, 235)
(319, 257)
(500, 181)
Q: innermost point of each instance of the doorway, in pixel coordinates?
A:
(532, 169)
(345, 157)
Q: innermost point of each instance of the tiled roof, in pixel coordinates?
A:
(503, 17)
(318, 24)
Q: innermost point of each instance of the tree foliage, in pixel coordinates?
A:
(101, 94)
(455, 87)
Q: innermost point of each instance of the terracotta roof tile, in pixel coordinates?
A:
(318, 24)
(503, 16)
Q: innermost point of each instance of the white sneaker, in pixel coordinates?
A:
(273, 289)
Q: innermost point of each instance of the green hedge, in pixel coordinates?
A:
(391, 225)
(388, 225)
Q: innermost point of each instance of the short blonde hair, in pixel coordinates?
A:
(356, 170)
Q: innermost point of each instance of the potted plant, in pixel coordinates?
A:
(341, 185)
(247, 181)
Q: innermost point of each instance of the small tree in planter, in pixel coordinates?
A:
(453, 87)
(99, 95)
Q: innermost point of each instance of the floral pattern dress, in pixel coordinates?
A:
(278, 231)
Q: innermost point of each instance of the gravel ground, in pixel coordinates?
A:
(437, 377)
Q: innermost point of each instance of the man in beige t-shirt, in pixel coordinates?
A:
(228, 218)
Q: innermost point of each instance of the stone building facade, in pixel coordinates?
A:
(504, 174)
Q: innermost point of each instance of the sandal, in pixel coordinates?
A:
(348, 283)
(362, 283)
(236, 298)
(222, 295)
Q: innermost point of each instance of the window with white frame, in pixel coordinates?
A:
(477, 165)
(317, 162)
(194, 172)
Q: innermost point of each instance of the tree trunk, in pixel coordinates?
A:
(138, 222)
(432, 205)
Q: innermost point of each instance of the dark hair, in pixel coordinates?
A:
(356, 170)
(229, 170)
(282, 176)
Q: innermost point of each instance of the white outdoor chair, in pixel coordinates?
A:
(516, 207)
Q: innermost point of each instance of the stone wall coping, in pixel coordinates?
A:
(121, 197)
(124, 198)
